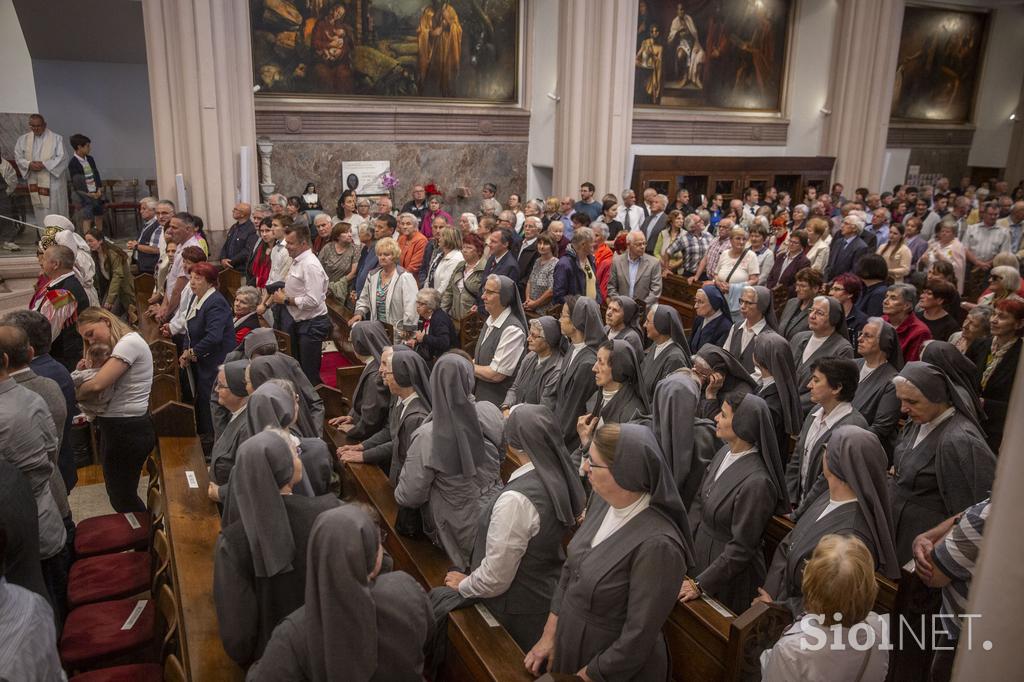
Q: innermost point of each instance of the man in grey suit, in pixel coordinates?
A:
(655, 222)
(635, 273)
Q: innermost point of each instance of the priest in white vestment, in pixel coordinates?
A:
(43, 162)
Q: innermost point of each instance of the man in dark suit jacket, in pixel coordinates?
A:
(527, 252)
(240, 240)
(655, 222)
(500, 262)
(846, 249)
(436, 333)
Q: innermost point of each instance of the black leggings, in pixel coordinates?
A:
(125, 443)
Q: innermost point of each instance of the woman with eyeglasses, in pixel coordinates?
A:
(668, 350)
(581, 324)
(624, 566)
(536, 381)
(1000, 367)
(757, 315)
(826, 338)
(880, 360)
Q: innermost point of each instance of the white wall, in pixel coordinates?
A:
(543, 80)
(109, 103)
(17, 89)
(806, 92)
(999, 89)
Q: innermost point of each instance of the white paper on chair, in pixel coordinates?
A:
(140, 606)
(132, 521)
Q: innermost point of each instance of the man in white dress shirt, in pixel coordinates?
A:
(305, 296)
(43, 163)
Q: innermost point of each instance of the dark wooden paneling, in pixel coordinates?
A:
(743, 132)
(929, 136)
(367, 124)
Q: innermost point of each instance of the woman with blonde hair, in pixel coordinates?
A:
(126, 435)
(839, 590)
(819, 238)
(389, 294)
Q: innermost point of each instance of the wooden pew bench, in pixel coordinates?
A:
(192, 524)
(478, 651)
(679, 293)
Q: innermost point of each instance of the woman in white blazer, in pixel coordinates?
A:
(389, 293)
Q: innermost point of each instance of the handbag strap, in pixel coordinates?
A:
(737, 263)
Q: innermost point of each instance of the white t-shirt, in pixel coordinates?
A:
(748, 266)
(131, 390)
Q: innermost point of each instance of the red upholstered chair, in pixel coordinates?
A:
(112, 533)
(95, 634)
(108, 576)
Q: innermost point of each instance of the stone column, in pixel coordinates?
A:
(1015, 156)
(200, 83)
(860, 94)
(265, 146)
(594, 116)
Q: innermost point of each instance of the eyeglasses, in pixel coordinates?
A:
(743, 302)
(590, 461)
(995, 278)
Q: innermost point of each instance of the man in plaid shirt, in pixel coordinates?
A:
(709, 266)
(693, 243)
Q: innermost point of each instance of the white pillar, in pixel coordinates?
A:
(594, 117)
(860, 95)
(200, 83)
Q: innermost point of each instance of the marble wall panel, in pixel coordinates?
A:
(12, 126)
(449, 165)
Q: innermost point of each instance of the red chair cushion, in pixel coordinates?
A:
(108, 576)
(137, 672)
(93, 632)
(111, 533)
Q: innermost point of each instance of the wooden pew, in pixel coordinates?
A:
(192, 524)
(347, 378)
(678, 293)
(469, 331)
(339, 314)
(228, 282)
(166, 378)
(478, 651)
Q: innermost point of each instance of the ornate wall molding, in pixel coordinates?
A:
(391, 124)
(902, 136)
(652, 128)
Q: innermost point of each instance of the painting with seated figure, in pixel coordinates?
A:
(938, 65)
(712, 54)
(459, 50)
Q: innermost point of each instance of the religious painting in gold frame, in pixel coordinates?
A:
(712, 54)
(451, 50)
(939, 64)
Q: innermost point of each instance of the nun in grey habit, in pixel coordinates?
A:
(235, 431)
(618, 398)
(489, 341)
(876, 394)
(687, 441)
(855, 502)
(371, 399)
(778, 388)
(960, 370)
(260, 558)
(941, 467)
(518, 555)
(273, 405)
(742, 488)
(735, 378)
(630, 329)
(311, 405)
(576, 375)
(356, 624)
(624, 566)
(453, 463)
(835, 345)
(669, 355)
(260, 341)
(765, 307)
(536, 381)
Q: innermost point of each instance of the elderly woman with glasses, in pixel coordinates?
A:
(435, 334)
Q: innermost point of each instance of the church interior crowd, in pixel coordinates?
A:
(845, 360)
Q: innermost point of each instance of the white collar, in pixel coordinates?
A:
(840, 411)
(717, 313)
(757, 328)
(81, 158)
(406, 401)
(500, 320)
(767, 381)
(525, 469)
(58, 280)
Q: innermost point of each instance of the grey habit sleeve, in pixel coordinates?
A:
(416, 479)
(236, 604)
(284, 655)
(654, 577)
(377, 448)
(753, 504)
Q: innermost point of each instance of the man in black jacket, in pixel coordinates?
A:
(240, 240)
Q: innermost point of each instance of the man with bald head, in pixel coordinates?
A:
(635, 273)
(240, 240)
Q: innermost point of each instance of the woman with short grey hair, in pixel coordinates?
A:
(971, 339)
(244, 308)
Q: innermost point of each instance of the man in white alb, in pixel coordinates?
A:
(43, 162)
